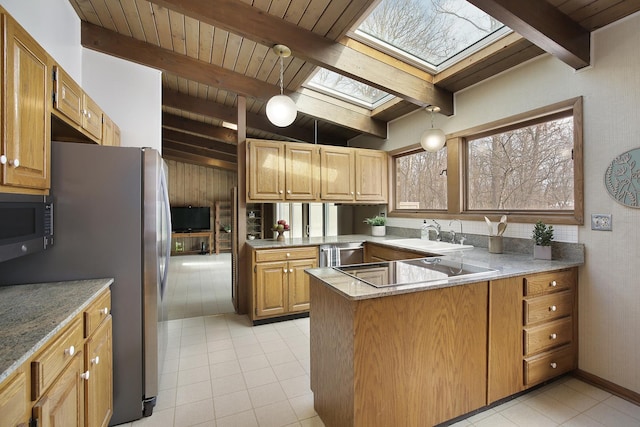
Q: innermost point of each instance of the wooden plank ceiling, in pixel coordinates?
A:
(211, 52)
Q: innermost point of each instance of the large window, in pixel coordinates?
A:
(421, 180)
(528, 166)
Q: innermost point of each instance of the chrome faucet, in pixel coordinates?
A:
(453, 233)
(435, 227)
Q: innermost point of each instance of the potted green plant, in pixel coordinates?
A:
(378, 225)
(542, 237)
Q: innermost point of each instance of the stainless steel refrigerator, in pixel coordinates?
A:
(112, 220)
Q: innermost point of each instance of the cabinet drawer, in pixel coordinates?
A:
(96, 313)
(545, 283)
(48, 364)
(268, 255)
(548, 365)
(548, 307)
(548, 335)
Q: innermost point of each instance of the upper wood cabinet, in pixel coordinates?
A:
(75, 107)
(110, 132)
(337, 174)
(25, 156)
(279, 171)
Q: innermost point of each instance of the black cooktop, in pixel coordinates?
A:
(396, 273)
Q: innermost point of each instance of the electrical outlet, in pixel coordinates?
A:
(601, 222)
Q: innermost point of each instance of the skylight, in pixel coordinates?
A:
(347, 89)
(429, 34)
(433, 32)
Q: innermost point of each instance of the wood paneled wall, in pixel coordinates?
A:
(199, 185)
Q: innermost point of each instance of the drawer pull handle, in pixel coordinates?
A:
(288, 254)
(104, 311)
(95, 360)
(553, 336)
(85, 375)
(70, 351)
(553, 308)
(280, 191)
(553, 365)
(554, 284)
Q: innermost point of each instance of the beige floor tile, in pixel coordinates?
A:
(192, 376)
(254, 362)
(312, 422)
(220, 356)
(232, 403)
(296, 386)
(248, 350)
(551, 408)
(280, 356)
(195, 361)
(609, 416)
(218, 345)
(228, 384)
(582, 421)
(495, 420)
(588, 389)
(194, 413)
(166, 399)
(288, 370)
(481, 415)
(624, 406)
(260, 377)
(193, 393)
(524, 415)
(276, 415)
(163, 418)
(242, 419)
(571, 397)
(273, 345)
(223, 369)
(266, 394)
(303, 406)
(168, 380)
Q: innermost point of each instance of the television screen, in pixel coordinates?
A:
(190, 218)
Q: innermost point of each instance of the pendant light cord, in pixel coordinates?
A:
(281, 76)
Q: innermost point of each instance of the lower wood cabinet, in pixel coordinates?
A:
(280, 286)
(69, 381)
(533, 334)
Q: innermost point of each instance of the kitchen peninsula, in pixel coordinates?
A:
(423, 353)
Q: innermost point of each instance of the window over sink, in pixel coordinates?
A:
(528, 166)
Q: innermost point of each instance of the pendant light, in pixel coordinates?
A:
(432, 139)
(281, 110)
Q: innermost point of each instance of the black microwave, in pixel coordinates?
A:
(26, 225)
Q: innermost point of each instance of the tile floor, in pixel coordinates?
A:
(221, 371)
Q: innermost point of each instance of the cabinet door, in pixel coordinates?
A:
(337, 174)
(107, 131)
(271, 288)
(505, 338)
(299, 284)
(26, 110)
(99, 385)
(91, 117)
(68, 99)
(13, 400)
(301, 163)
(371, 176)
(265, 173)
(63, 404)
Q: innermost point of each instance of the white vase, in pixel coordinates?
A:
(378, 230)
(541, 252)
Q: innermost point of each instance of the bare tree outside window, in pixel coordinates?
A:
(421, 181)
(530, 168)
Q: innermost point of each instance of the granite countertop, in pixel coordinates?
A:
(315, 241)
(505, 265)
(31, 314)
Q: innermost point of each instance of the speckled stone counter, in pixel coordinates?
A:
(31, 314)
(315, 241)
(505, 265)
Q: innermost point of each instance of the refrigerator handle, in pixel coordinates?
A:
(165, 196)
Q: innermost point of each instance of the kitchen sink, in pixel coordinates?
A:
(427, 245)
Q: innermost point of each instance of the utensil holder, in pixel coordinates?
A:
(495, 244)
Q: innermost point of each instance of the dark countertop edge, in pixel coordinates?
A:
(524, 264)
(101, 285)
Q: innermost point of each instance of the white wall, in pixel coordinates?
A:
(129, 93)
(609, 293)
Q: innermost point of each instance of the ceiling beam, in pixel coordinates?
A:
(217, 133)
(252, 23)
(181, 101)
(216, 148)
(543, 25)
(109, 42)
(170, 153)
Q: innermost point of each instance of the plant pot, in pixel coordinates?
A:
(378, 230)
(495, 244)
(541, 252)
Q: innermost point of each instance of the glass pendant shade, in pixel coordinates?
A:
(281, 110)
(432, 140)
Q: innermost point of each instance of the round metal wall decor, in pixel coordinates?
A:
(622, 178)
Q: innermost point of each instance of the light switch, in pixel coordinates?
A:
(601, 222)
